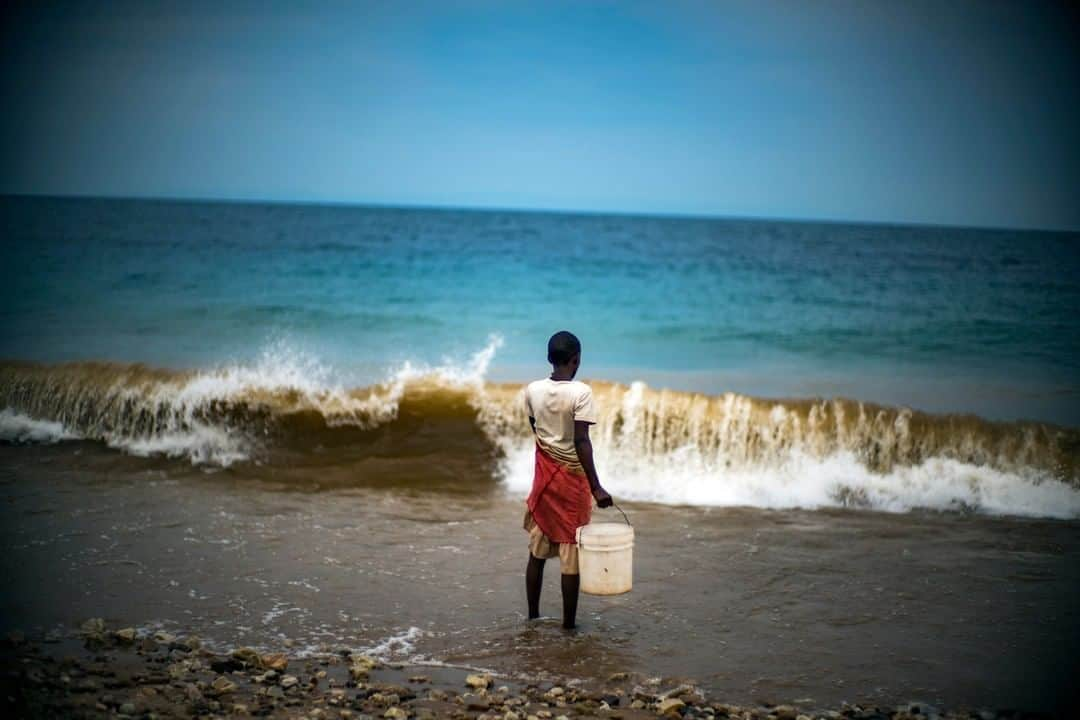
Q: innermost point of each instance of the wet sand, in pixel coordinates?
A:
(802, 608)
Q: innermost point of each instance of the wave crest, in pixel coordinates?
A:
(653, 445)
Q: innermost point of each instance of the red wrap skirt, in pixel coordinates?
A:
(560, 501)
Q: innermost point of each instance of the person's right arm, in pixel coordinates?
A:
(583, 445)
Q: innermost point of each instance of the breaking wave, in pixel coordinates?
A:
(221, 416)
(650, 445)
(686, 448)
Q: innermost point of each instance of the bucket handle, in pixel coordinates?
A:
(577, 533)
(616, 505)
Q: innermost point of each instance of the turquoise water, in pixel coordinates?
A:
(942, 319)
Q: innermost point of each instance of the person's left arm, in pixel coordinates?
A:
(583, 445)
(529, 411)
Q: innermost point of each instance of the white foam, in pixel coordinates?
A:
(201, 443)
(633, 465)
(23, 429)
(399, 645)
(837, 480)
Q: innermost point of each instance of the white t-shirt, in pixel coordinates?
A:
(555, 405)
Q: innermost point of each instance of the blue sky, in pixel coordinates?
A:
(954, 113)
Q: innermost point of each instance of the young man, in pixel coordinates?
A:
(564, 481)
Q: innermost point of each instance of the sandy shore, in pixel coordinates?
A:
(98, 672)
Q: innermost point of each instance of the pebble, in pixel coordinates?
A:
(475, 702)
(275, 661)
(384, 698)
(395, 713)
(919, 708)
(478, 681)
(222, 685)
(86, 685)
(670, 706)
(179, 669)
(226, 665)
(287, 681)
(266, 677)
(247, 656)
(92, 625)
(360, 666)
(125, 635)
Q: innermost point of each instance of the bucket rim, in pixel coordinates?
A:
(606, 535)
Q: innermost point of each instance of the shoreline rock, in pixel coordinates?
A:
(115, 674)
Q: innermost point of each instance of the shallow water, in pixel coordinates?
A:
(754, 604)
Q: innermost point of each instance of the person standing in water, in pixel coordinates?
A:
(560, 411)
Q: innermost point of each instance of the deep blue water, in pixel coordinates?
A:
(945, 319)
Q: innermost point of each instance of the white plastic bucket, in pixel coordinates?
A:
(606, 558)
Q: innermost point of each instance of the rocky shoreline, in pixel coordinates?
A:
(102, 673)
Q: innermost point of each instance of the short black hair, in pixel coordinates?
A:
(562, 346)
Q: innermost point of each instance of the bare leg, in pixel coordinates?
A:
(570, 585)
(534, 578)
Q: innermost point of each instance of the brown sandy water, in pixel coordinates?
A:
(814, 607)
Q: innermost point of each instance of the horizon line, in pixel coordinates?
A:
(534, 210)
